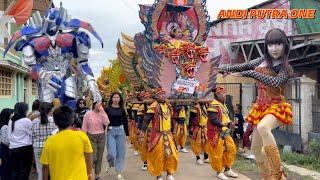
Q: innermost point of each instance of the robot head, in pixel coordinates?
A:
(53, 20)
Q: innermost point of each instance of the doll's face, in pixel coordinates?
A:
(276, 50)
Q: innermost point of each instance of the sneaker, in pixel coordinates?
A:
(251, 156)
(119, 177)
(184, 150)
(144, 167)
(170, 177)
(222, 176)
(200, 162)
(230, 173)
(159, 178)
(136, 153)
(206, 160)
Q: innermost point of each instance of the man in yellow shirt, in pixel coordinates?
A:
(66, 155)
(162, 153)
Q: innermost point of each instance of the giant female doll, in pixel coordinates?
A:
(270, 109)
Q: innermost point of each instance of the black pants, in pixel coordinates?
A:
(21, 161)
(5, 166)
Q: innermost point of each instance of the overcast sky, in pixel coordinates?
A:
(111, 17)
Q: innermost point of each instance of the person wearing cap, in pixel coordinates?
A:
(162, 153)
(180, 129)
(142, 135)
(220, 147)
(198, 131)
(94, 123)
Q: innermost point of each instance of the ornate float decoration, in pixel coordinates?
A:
(171, 52)
(112, 79)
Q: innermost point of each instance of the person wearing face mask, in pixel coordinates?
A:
(94, 123)
(162, 152)
(80, 111)
(270, 109)
(41, 130)
(220, 147)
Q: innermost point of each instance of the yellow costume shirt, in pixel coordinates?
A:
(165, 120)
(215, 106)
(182, 113)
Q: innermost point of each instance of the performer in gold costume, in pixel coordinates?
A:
(198, 131)
(220, 147)
(180, 129)
(143, 134)
(162, 153)
(133, 131)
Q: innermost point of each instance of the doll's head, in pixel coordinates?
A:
(276, 47)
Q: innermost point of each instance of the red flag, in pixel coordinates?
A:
(20, 10)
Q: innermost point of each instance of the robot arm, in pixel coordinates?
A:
(85, 69)
(38, 72)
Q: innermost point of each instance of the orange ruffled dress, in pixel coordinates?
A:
(270, 100)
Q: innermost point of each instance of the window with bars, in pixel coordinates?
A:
(5, 83)
(34, 87)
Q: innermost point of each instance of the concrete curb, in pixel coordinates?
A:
(302, 171)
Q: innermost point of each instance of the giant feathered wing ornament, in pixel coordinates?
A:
(128, 63)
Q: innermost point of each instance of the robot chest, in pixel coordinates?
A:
(44, 43)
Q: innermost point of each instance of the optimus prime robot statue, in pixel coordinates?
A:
(57, 51)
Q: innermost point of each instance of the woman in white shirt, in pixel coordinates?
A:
(20, 142)
(41, 130)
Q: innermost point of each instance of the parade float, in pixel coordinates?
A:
(171, 51)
